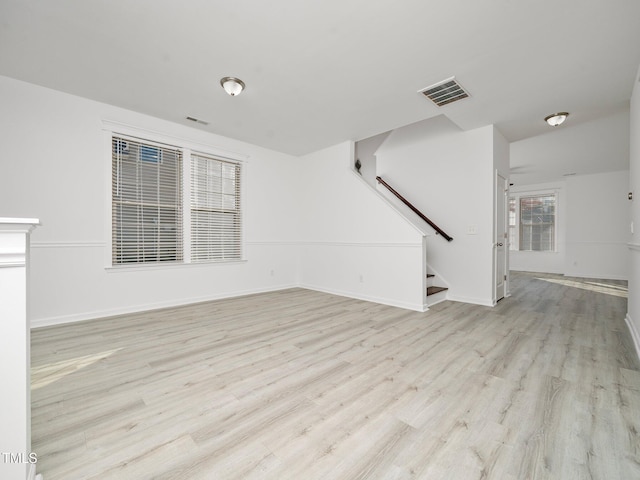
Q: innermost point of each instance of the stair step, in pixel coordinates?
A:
(434, 290)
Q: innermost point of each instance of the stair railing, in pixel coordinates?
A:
(415, 210)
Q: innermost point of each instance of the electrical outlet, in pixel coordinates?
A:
(472, 230)
(361, 279)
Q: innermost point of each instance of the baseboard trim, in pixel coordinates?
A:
(474, 301)
(635, 335)
(31, 474)
(368, 298)
(599, 276)
(81, 317)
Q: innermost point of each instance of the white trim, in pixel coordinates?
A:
(12, 261)
(13, 257)
(31, 474)
(69, 244)
(635, 335)
(273, 242)
(593, 276)
(368, 298)
(116, 127)
(474, 301)
(108, 191)
(595, 243)
(97, 314)
(19, 221)
(633, 246)
(100, 244)
(157, 266)
(362, 244)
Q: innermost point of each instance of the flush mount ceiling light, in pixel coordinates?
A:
(232, 85)
(556, 119)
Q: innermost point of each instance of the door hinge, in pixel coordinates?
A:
(505, 277)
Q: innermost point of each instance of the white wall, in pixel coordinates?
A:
(597, 226)
(366, 153)
(449, 175)
(353, 242)
(633, 315)
(592, 228)
(54, 167)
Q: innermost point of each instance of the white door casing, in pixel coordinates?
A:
(500, 236)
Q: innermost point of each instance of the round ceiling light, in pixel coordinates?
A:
(556, 119)
(232, 85)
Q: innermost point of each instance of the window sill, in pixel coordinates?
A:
(168, 266)
(520, 252)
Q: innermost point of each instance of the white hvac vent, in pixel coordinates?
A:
(197, 120)
(444, 92)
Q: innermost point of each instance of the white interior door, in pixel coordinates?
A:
(501, 236)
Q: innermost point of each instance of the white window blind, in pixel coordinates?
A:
(537, 223)
(146, 202)
(513, 243)
(216, 223)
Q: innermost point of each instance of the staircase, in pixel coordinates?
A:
(435, 294)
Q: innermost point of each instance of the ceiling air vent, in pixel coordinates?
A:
(446, 91)
(197, 120)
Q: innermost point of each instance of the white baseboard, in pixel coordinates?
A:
(31, 474)
(63, 319)
(474, 301)
(50, 321)
(634, 334)
(597, 276)
(368, 298)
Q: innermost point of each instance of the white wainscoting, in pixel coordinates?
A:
(388, 273)
(71, 283)
(633, 309)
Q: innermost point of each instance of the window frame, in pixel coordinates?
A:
(187, 146)
(205, 203)
(137, 197)
(514, 235)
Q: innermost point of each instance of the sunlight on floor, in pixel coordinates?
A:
(597, 287)
(52, 372)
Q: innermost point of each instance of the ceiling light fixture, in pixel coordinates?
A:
(232, 85)
(556, 119)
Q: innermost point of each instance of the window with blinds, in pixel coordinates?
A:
(513, 244)
(538, 223)
(146, 202)
(216, 228)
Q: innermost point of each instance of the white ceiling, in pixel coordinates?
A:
(319, 73)
(591, 147)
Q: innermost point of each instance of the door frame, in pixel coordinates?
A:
(501, 197)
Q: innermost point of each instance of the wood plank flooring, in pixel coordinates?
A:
(304, 385)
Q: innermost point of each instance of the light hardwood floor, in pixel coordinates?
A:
(304, 385)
